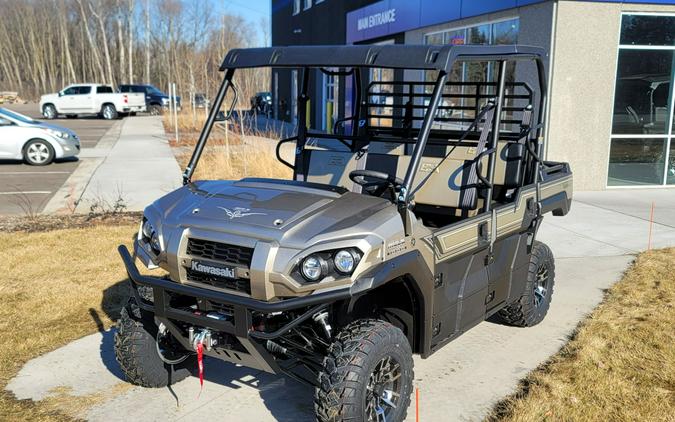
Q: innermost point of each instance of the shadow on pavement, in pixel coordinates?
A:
(286, 399)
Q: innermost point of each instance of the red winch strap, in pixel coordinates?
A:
(200, 365)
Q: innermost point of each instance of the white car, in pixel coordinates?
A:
(35, 142)
(78, 99)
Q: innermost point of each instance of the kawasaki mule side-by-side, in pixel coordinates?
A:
(406, 223)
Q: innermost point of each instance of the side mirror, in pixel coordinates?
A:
(60, 93)
(220, 116)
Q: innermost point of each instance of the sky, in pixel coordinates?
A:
(251, 10)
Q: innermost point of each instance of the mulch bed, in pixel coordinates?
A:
(43, 223)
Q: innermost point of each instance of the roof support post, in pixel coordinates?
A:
(494, 138)
(403, 197)
(206, 131)
(303, 98)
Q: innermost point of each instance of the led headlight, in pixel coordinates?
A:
(312, 268)
(150, 235)
(344, 261)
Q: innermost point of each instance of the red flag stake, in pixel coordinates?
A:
(417, 405)
(200, 365)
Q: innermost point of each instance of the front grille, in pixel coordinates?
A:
(240, 285)
(230, 254)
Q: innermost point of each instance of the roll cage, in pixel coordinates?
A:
(417, 105)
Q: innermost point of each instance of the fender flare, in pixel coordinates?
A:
(410, 265)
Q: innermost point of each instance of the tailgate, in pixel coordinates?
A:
(135, 99)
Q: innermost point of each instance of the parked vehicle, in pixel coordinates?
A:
(75, 100)
(155, 100)
(200, 101)
(35, 142)
(392, 238)
(261, 103)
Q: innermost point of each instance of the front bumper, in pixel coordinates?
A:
(240, 325)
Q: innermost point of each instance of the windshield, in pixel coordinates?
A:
(155, 91)
(17, 116)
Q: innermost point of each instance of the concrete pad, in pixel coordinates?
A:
(138, 168)
(636, 203)
(85, 366)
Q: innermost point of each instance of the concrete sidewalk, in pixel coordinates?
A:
(133, 164)
(593, 245)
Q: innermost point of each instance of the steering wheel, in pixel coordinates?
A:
(375, 182)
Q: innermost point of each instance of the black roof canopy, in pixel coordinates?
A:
(398, 56)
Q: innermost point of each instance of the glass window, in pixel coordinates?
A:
(642, 92)
(4, 122)
(479, 34)
(104, 90)
(434, 39)
(647, 30)
(506, 32)
(455, 37)
(636, 161)
(296, 6)
(73, 90)
(82, 90)
(308, 4)
(670, 167)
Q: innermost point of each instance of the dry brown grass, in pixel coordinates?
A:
(620, 364)
(56, 287)
(243, 161)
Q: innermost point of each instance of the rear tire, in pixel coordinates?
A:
(38, 152)
(71, 116)
(532, 306)
(49, 112)
(109, 112)
(155, 110)
(369, 365)
(137, 353)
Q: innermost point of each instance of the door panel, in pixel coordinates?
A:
(505, 252)
(9, 139)
(462, 279)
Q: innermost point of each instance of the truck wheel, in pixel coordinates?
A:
(367, 375)
(38, 152)
(109, 112)
(155, 110)
(144, 353)
(533, 305)
(49, 112)
(71, 116)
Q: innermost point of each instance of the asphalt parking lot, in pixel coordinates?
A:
(27, 189)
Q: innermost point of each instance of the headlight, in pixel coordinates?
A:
(344, 262)
(165, 101)
(312, 268)
(58, 133)
(334, 263)
(151, 237)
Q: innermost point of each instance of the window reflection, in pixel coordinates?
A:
(642, 92)
(636, 161)
(647, 30)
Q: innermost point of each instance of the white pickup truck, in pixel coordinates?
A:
(98, 99)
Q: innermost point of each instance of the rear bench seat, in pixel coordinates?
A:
(441, 191)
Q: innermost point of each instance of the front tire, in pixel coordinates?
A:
(137, 352)
(367, 375)
(155, 110)
(38, 152)
(109, 112)
(532, 306)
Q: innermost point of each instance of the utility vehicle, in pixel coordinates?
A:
(411, 222)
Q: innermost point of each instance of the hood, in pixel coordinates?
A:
(44, 125)
(290, 212)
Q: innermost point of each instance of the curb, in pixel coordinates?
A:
(66, 199)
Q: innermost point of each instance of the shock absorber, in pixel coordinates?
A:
(320, 318)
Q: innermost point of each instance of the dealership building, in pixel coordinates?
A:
(610, 70)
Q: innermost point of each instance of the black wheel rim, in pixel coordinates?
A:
(383, 392)
(541, 286)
